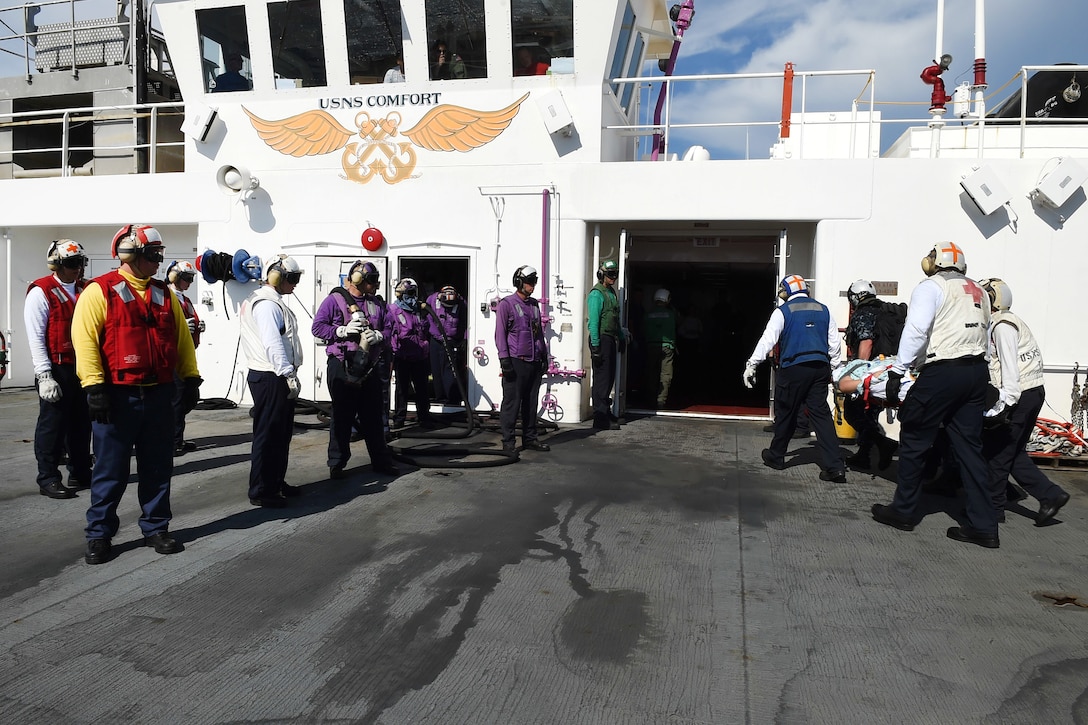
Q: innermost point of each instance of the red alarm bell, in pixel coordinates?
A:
(373, 239)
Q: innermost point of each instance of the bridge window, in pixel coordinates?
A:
(543, 36)
(224, 49)
(628, 56)
(375, 44)
(457, 46)
(298, 44)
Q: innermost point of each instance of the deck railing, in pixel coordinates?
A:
(868, 115)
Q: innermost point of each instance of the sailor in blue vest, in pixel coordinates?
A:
(945, 341)
(809, 345)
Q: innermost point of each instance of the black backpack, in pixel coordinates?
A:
(891, 318)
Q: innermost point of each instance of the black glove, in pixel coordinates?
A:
(191, 395)
(98, 401)
(595, 355)
(891, 391)
(507, 366)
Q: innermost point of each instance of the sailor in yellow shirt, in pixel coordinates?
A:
(130, 336)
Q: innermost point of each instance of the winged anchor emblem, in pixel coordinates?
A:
(383, 150)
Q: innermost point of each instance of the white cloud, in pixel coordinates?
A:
(897, 39)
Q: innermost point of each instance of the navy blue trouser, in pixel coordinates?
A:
(864, 420)
(63, 425)
(520, 390)
(273, 424)
(355, 405)
(1003, 447)
(411, 374)
(805, 385)
(952, 393)
(179, 411)
(139, 421)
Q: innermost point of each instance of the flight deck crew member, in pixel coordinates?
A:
(354, 345)
(603, 310)
(180, 275)
(659, 327)
(809, 346)
(861, 340)
(945, 341)
(411, 354)
(519, 339)
(449, 331)
(274, 353)
(1016, 369)
(63, 420)
(131, 340)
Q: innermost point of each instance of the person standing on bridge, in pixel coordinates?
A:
(945, 341)
(809, 346)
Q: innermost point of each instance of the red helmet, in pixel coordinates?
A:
(132, 239)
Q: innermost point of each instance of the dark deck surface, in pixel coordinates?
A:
(656, 574)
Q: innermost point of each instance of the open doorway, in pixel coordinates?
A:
(722, 308)
(432, 274)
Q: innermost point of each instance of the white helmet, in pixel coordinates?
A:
(178, 268)
(860, 291)
(790, 285)
(999, 292)
(406, 286)
(63, 250)
(944, 255)
(133, 240)
(282, 269)
(662, 295)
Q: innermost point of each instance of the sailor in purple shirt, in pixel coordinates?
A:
(411, 354)
(519, 337)
(449, 330)
(347, 327)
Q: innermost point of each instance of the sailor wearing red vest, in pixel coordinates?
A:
(131, 339)
(63, 420)
(274, 354)
(945, 341)
(180, 275)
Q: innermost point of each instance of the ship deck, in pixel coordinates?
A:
(654, 574)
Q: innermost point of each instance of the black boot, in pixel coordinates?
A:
(862, 460)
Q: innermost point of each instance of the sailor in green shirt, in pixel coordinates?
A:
(660, 332)
(603, 308)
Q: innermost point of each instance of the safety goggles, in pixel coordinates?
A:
(291, 277)
(531, 279)
(76, 262)
(612, 274)
(371, 278)
(153, 254)
(186, 277)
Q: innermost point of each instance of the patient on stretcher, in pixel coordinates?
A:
(868, 379)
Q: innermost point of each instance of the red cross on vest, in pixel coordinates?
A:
(975, 291)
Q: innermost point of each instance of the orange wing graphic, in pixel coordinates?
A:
(308, 134)
(454, 128)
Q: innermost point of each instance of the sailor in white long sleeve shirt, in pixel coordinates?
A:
(945, 340)
(274, 352)
(808, 345)
(1016, 368)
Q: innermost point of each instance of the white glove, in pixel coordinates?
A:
(48, 388)
(996, 410)
(192, 325)
(749, 375)
(294, 387)
(355, 327)
(368, 338)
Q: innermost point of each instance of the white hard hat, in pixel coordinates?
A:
(662, 295)
(999, 292)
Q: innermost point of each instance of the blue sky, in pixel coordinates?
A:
(895, 37)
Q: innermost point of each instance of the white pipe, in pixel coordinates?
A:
(619, 399)
(7, 328)
(940, 32)
(980, 29)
